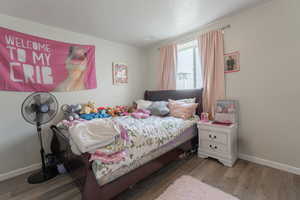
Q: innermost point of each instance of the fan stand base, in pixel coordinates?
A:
(40, 177)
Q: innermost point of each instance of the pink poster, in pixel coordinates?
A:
(29, 63)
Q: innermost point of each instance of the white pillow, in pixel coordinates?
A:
(159, 108)
(191, 100)
(143, 104)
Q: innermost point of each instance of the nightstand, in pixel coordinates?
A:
(218, 141)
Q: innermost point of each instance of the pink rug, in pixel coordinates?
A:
(189, 188)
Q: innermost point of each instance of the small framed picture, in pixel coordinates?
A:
(120, 73)
(226, 111)
(232, 62)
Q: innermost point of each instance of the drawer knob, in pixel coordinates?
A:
(209, 136)
(210, 146)
(216, 147)
(215, 137)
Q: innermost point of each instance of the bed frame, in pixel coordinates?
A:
(80, 168)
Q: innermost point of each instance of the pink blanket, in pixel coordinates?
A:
(141, 114)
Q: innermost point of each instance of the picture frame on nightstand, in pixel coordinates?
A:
(226, 111)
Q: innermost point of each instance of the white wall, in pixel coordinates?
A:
(267, 86)
(18, 144)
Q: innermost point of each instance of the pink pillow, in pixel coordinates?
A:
(139, 115)
(181, 109)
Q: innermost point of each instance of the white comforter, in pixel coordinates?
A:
(89, 136)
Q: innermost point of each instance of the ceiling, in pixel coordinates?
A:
(134, 22)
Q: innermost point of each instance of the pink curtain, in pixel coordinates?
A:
(212, 58)
(167, 67)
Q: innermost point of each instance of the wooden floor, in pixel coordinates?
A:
(246, 180)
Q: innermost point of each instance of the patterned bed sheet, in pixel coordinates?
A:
(149, 138)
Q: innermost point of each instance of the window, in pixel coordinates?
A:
(188, 72)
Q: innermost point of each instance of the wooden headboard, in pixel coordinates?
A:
(165, 95)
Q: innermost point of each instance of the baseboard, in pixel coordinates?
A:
(269, 163)
(249, 158)
(20, 171)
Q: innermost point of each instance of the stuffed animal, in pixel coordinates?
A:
(103, 114)
(89, 108)
(100, 114)
(93, 107)
(110, 111)
(71, 112)
(122, 110)
(85, 109)
(132, 109)
(117, 111)
(101, 108)
(141, 114)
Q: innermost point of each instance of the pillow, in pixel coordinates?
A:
(191, 100)
(159, 108)
(181, 109)
(143, 104)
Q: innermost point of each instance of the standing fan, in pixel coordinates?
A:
(40, 108)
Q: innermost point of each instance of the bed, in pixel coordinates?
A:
(101, 183)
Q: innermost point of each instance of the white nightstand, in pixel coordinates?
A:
(218, 142)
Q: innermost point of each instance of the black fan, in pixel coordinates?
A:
(40, 108)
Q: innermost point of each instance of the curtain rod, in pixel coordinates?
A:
(226, 27)
(223, 29)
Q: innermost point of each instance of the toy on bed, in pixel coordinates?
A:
(89, 111)
(99, 114)
(111, 111)
(128, 111)
(89, 108)
(141, 114)
(122, 110)
(102, 113)
(71, 112)
(117, 110)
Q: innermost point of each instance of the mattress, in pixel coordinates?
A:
(149, 139)
(188, 134)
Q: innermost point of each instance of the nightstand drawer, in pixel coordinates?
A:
(219, 137)
(213, 147)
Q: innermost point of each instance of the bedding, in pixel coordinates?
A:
(146, 136)
(124, 169)
(146, 139)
